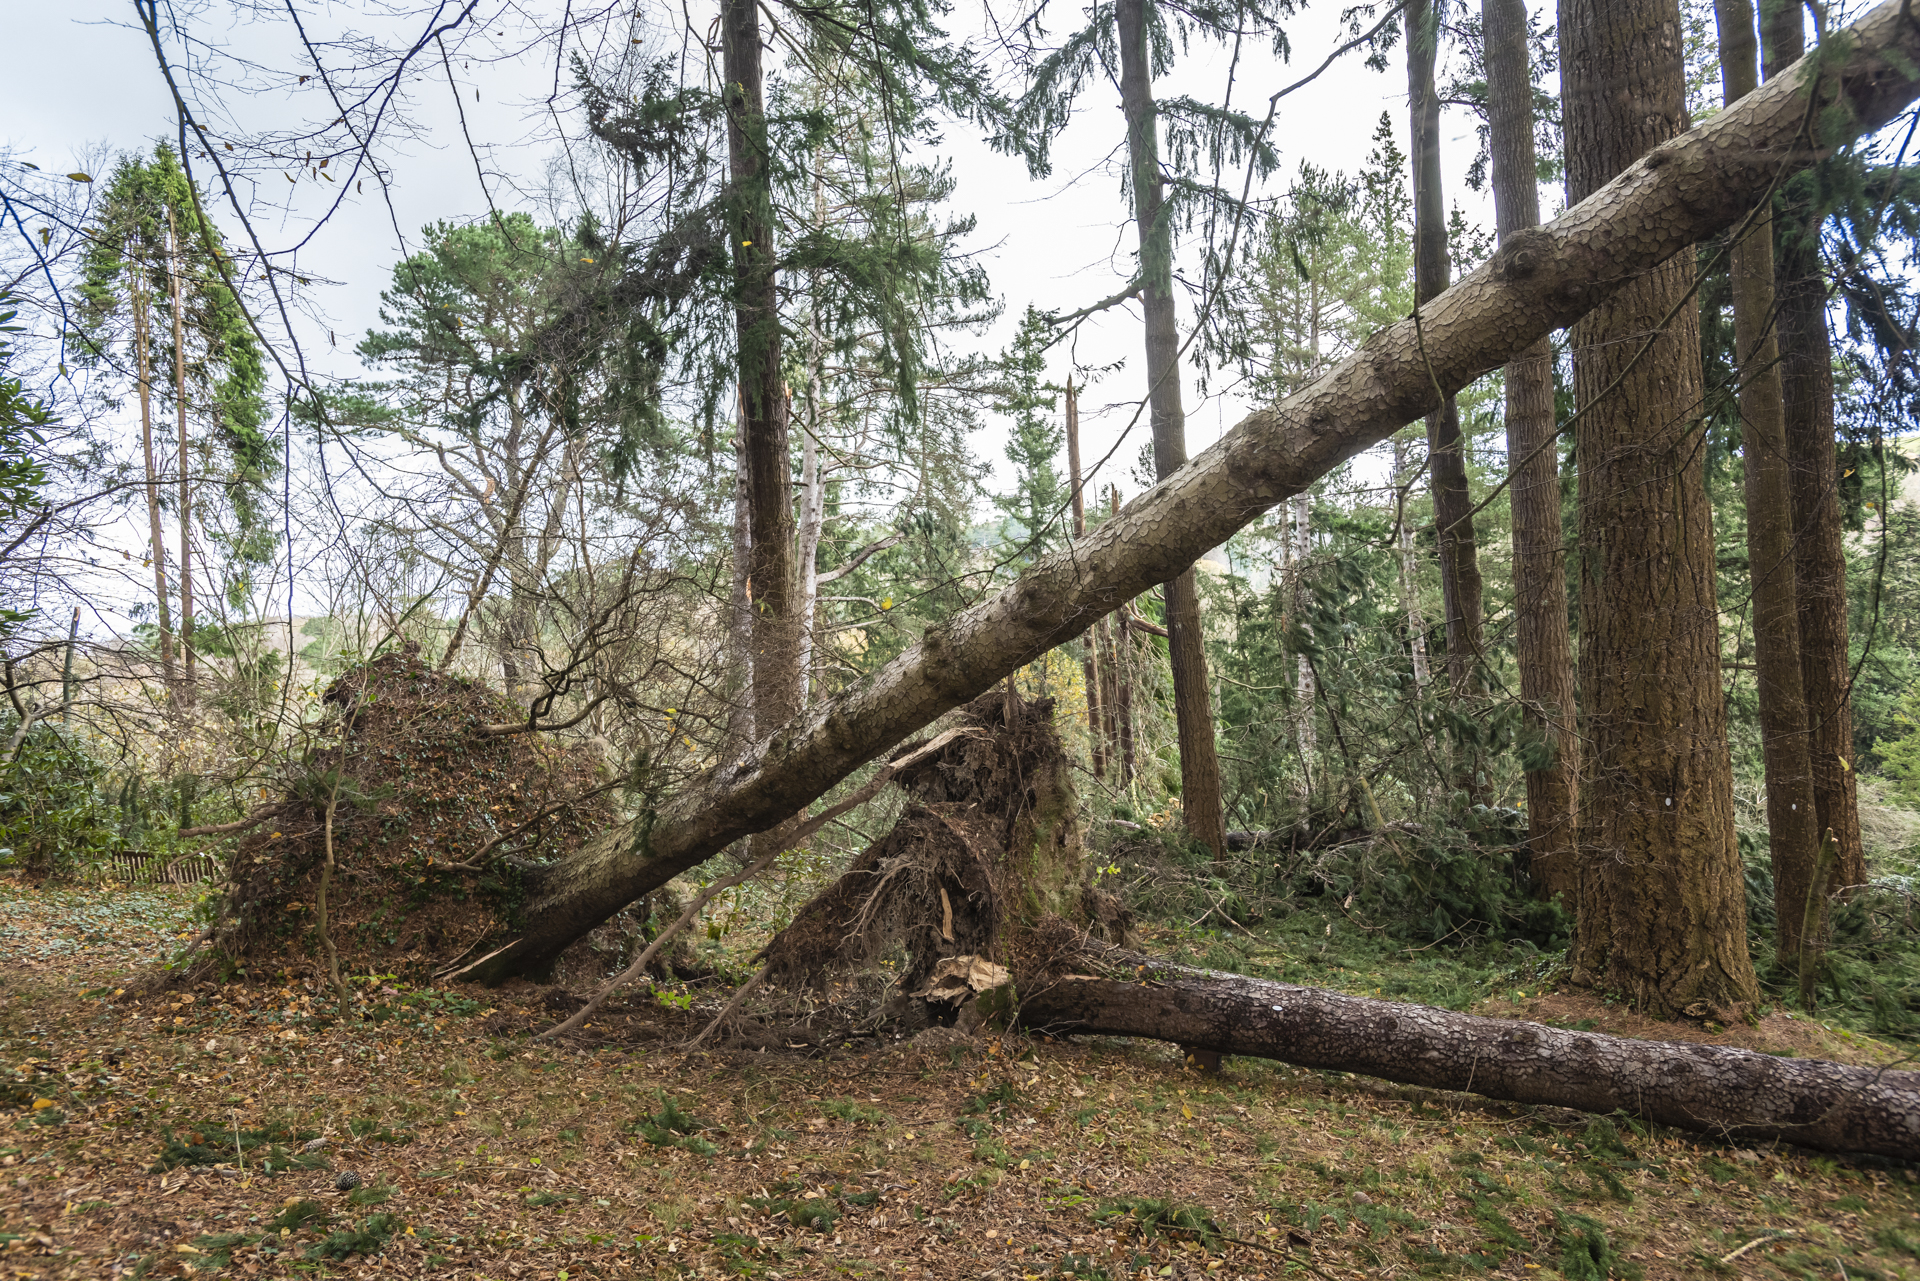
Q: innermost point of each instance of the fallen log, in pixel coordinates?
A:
(1718, 1090)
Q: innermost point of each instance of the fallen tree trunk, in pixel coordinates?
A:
(1540, 280)
(1722, 1091)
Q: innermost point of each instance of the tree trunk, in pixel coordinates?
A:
(1446, 448)
(763, 400)
(1304, 733)
(157, 545)
(1200, 799)
(740, 725)
(1721, 1091)
(813, 521)
(1409, 586)
(1539, 281)
(175, 268)
(1662, 900)
(1793, 838)
(1542, 646)
(1819, 553)
(1121, 665)
(1089, 639)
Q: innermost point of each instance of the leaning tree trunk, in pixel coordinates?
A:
(1793, 833)
(1446, 447)
(1662, 900)
(1725, 1092)
(1540, 281)
(1819, 552)
(1543, 647)
(1200, 799)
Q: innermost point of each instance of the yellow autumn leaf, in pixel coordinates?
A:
(42, 1103)
(81, 177)
(1186, 1111)
(1842, 760)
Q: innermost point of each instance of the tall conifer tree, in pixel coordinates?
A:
(1662, 906)
(1542, 643)
(1819, 552)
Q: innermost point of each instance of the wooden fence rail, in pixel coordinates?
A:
(140, 868)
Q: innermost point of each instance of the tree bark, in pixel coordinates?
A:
(1540, 281)
(741, 725)
(1409, 585)
(1089, 639)
(763, 400)
(1543, 647)
(1200, 799)
(1819, 553)
(1662, 898)
(1721, 1091)
(143, 374)
(1793, 837)
(1460, 590)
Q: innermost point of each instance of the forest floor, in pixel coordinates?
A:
(208, 1132)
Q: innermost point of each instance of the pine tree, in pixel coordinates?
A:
(1819, 552)
(1034, 442)
(1460, 588)
(1662, 915)
(1131, 43)
(155, 267)
(1543, 648)
(1793, 836)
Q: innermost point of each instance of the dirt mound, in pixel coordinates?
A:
(436, 826)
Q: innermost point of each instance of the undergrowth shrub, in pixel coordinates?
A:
(1419, 884)
(55, 811)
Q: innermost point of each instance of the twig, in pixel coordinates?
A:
(320, 899)
(1760, 1240)
(732, 1006)
(252, 820)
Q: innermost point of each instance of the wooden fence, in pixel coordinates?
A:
(141, 868)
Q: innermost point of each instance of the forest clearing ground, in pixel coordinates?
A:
(481, 1154)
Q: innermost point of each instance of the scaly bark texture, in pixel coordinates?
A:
(1538, 281)
(1819, 554)
(1542, 644)
(1721, 1091)
(1200, 800)
(763, 399)
(1793, 838)
(1446, 449)
(1662, 895)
